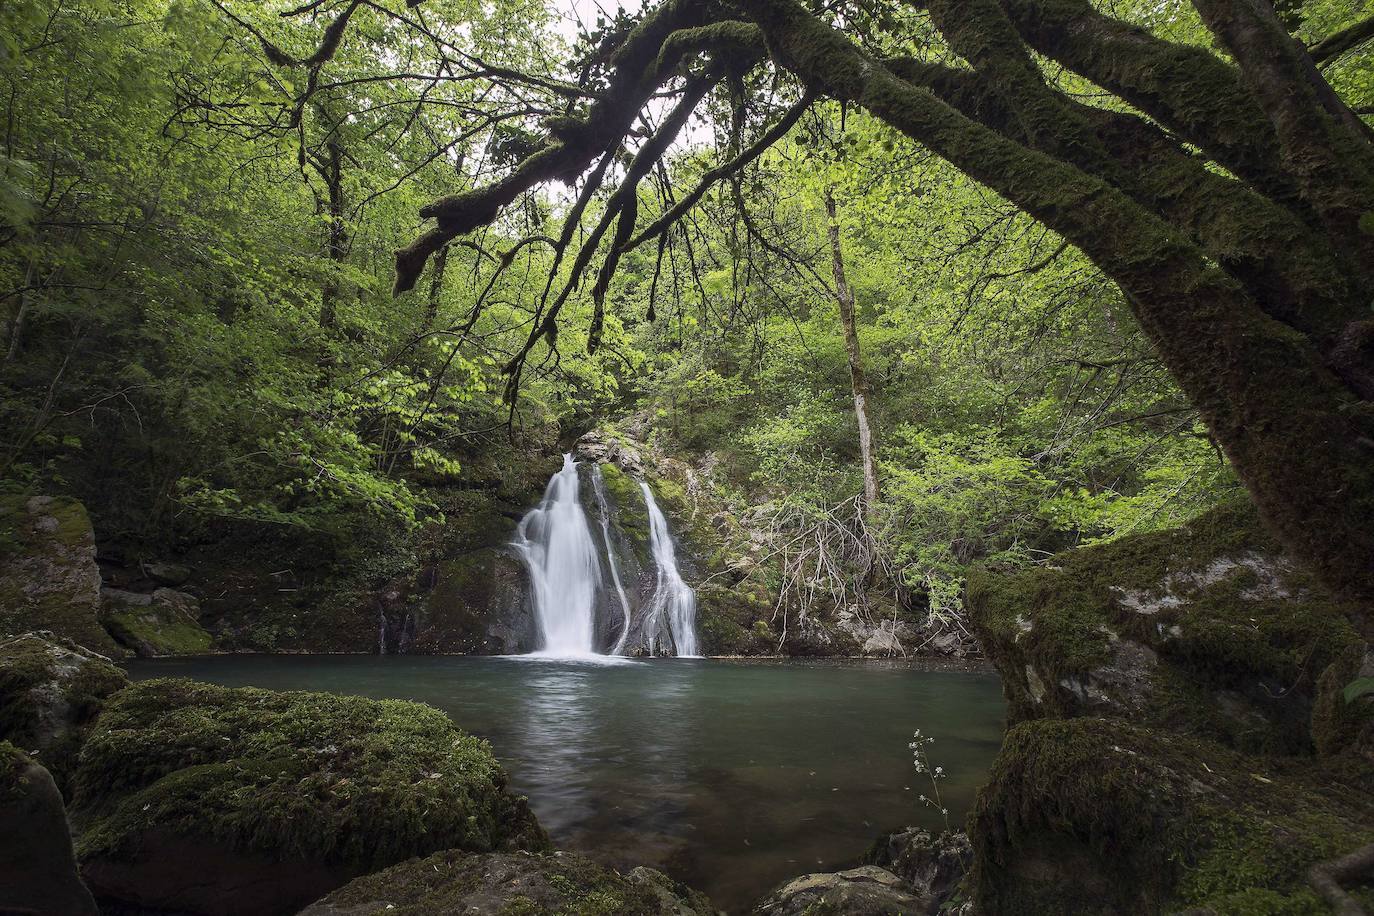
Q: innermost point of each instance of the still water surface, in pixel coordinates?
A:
(729, 775)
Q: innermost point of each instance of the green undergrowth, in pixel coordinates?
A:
(523, 885)
(300, 775)
(1103, 817)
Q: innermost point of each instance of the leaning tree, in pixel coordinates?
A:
(1229, 192)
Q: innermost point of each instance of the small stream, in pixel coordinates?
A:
(729, 775)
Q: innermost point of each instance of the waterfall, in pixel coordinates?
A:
(604, 509)
(567, 586)
(673, 598)
(556, 545)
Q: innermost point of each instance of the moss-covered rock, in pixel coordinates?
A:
(1206, 630)
(1097, 816)
(279, 796)
(511, 884)
(48, 576)
(165, 622)
(864, 891)
(50, 692)
(37, 869)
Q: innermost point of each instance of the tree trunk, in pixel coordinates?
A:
(436, 288)
(844, 295)
(331, 170)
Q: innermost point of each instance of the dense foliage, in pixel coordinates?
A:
(198, 205)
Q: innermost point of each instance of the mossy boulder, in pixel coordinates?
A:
(217, 801)
(1206, 630)
(48, 575)
(37, 868)
(165, 622)
(477, 603)
(1097, 816)
(511, 884)
(864, 891)
(50, 692)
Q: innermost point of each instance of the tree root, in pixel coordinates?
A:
(1326, 878)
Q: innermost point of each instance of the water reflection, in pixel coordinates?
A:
(731, 776)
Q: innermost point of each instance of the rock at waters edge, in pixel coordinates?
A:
(510, 884)
(37, 868)
(48, 575)
(223, 801)
(1206, 630)
(50, 692)
(864, 891)
(165, 622)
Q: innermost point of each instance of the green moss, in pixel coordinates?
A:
(158, 631)
(519, 884)
(50, 692)
(1133, 820)
(300, 775)
(13, 762)
(1224, 634)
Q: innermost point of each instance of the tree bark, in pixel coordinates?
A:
(844, 295)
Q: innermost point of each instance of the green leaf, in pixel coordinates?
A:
(1360, 687)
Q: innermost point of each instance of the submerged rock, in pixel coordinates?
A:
(48, 575)
(510, 884)
(50, 692)
(1206, 630)
(37, 869)
(211, 800)
(864, 891)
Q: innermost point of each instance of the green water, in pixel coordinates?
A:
(729, 775)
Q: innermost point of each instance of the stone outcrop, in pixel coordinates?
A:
(1101, 817)
(222, 801)
(37, 869)
(864, 891)
(50, 693)
(48, 575)
(500, 884)
(1206, 630)
(1179, 741)
(162, 622)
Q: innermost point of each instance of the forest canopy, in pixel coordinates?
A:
(976, 281)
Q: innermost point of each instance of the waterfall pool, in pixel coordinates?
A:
(731, 775)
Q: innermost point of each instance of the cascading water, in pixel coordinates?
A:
(652, 605)
(556, 544)
(604, 508)
(673, 598)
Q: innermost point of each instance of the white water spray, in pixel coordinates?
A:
(673, 598)
(604, 509)
(556, 544)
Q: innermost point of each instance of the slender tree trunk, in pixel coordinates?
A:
(337, 246)
(436, 288)
(844, 295)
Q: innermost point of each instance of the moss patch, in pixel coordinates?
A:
(307, 776)
(510, 884)
(155, 631)
(1089, 815)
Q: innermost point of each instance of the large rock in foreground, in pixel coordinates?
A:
(1094, 816)
(864, 891)
(37, 869)
(50, 692)
(48, 576)
(223, 801)
(510, 884)
(1206, 630)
